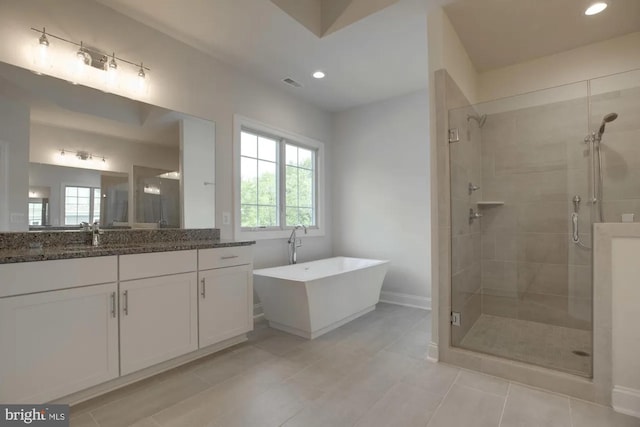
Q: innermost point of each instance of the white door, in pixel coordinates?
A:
(157, 320)
(226, 303)
(56, 343)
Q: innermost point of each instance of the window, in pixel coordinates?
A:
(279, 181)
(81, 204)
(35, 213)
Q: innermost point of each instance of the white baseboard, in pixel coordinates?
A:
(406, 300)
(626, 400)
(432, 352)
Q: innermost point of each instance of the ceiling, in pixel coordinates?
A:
(380, 56)
(372, 49)
(497, 33)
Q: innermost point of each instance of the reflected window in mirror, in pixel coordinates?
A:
(81, 204)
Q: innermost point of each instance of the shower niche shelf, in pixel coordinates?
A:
(489, 203)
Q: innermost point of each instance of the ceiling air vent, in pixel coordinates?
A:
(291, 82)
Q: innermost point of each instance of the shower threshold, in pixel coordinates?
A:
(556, 347)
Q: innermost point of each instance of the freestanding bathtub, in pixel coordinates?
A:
(312, 298)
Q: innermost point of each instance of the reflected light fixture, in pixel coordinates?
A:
(43, 42)
(142, 78)
(112, 70)
(595, 8)
(319, 75)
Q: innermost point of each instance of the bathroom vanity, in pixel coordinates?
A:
(77, 321)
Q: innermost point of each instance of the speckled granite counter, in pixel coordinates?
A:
(18, 247)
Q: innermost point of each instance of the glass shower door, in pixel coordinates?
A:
(520, 287)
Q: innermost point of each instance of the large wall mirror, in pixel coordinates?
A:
(94, 156)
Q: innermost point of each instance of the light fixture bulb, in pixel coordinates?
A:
(104, 160)
(142, 77)
(319, 75)
(62, 153)
(43, 40)
(595, 8)
(112, 70)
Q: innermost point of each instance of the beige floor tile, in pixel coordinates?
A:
(83, 420)
(465, 406)
(206, 407)
(147, 401)
(280, 344)
(145, 422)
(233, 363)
(528, 407)
(584, 414)
(404, 405)
(483, 382)
(433, 377)
(327, 371)
(415, 343)
(271, 408)
(330, 410)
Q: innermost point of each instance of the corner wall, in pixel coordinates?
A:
(381, 192)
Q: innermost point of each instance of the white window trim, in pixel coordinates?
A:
(238, 123)
(63, 193)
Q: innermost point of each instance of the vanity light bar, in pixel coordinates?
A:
(83, 155)
(94, 57)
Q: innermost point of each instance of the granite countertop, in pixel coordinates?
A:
(46, 253)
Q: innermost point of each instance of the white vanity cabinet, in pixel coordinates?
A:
(158, 314)
(58, 328)
(225, 293)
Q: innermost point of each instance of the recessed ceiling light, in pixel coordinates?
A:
(319, 75)
(595, 8)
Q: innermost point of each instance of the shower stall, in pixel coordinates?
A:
(529, 176)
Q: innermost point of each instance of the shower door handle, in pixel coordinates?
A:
(574, 223)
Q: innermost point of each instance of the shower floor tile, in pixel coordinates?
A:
(537, 343)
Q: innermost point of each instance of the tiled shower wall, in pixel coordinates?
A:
(466, 167)
(620, 149)
(535, 161)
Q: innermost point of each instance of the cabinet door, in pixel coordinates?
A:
(226, 303)
(56, 343)
(157, 320)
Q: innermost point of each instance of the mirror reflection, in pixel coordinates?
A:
(98, 157)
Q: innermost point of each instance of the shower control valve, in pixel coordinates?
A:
(474, 215)
(473, 188)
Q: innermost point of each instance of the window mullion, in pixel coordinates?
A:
(282, 182)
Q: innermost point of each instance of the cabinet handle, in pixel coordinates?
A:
(113, 305)
(204, 289)
(229, 257)
(125, 306)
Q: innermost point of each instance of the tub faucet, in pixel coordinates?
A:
(95, 233)
(293, 244)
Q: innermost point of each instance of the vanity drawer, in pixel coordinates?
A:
(224, 257)
(140, 266)
(42, 276)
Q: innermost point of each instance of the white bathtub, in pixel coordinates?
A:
(312, 298)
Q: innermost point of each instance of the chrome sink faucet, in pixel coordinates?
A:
(95, 233)
(294, 243)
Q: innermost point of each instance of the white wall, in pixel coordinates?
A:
(56, 178)
(14, 141)
(181, 79)
(626, 336)
(612, 56)
(381, 191)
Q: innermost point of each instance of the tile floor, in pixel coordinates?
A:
(532, 342)
(370, 372)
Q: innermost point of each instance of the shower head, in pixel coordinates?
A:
(607, 119)
(480, 119)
